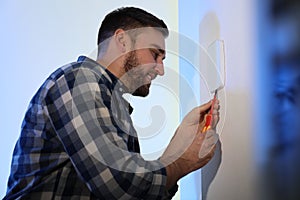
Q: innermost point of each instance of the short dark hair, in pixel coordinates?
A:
(128, 18)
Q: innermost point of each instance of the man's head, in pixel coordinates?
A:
(129, 18)
(131, 45)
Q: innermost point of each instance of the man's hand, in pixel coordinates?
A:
(190, 149)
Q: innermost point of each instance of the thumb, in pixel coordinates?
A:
(197, 114)
(204, 110)
(205, 107)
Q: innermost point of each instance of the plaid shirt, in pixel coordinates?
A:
(78, 142)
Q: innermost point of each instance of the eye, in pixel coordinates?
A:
(155, 53)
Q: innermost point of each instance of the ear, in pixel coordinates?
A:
(120, 40)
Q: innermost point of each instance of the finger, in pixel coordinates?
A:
(204, 160)
(207, 140)
(203, 108)
(212, 151)
(216, 105)
(209, 133)
(215, 120)
(215, 112)
(196, 115)
(206, 150)
(211, 138)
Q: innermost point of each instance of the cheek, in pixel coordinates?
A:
(145, 57)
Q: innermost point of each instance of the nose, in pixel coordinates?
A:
(159, 68)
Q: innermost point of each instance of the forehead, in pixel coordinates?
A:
(150, 38)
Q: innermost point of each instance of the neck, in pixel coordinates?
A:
(115, 67)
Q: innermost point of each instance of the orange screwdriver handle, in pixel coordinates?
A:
(208, 117)
(207, 126)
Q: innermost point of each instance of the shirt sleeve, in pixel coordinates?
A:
(80, 109)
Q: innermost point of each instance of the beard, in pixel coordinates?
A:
(135, 76)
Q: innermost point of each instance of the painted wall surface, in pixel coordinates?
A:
(232, 173)
(235, 178)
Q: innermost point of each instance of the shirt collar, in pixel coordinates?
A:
(115, 82)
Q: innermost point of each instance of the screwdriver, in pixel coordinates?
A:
(208, 118)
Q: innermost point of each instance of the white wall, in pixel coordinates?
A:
(234, 22)
(235, 178)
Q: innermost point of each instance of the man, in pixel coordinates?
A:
(77, 138)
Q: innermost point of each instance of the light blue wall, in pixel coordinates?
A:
(189, 19)
(36, 38)
(39, 36)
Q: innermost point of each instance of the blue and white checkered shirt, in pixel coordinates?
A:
(78, 142)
